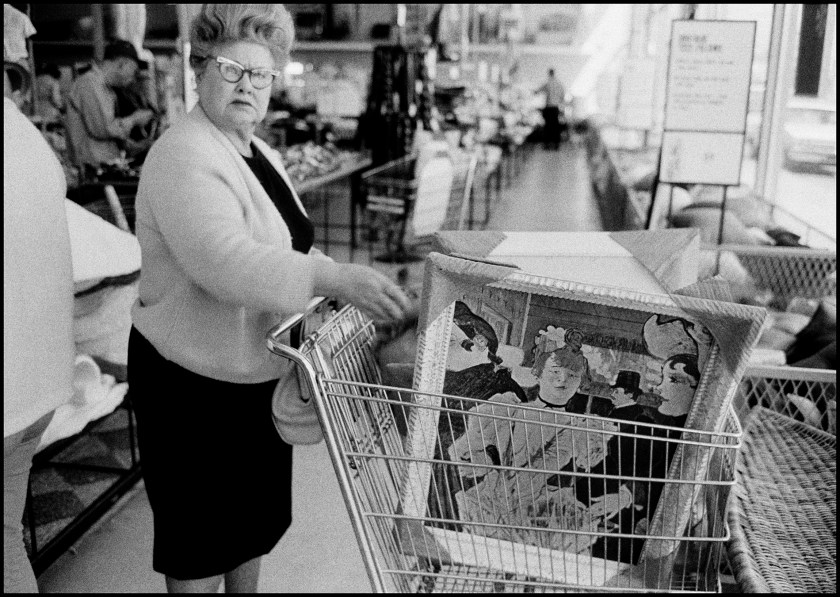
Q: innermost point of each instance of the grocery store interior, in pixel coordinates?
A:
(618, 147)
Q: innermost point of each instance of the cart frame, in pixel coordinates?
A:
(397, 539)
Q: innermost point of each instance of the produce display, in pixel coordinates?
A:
(308, 160)
(508, 114)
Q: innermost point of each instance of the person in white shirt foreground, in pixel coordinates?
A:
(38, 348)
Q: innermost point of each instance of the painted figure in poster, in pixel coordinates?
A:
(680, 376)
(628, 456)
(549, 438)
(666, 336)
(473, 366)
(540, 500)
(623, 395)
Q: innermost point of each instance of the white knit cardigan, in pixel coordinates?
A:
(218, 266)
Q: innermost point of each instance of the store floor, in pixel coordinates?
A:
(319, 552)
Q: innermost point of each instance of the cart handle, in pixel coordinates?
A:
(274, 334)
(294, 355)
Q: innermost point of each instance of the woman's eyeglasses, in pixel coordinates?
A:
(232, 72)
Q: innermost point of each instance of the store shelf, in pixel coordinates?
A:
(63, 44)
(161, 44)
(151, 44)
(334, 46)
(525, 49)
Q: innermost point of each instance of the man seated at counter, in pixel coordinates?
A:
(96, 134)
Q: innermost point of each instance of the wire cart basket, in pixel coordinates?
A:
(392, 192)
(437, 506)
(786, 273)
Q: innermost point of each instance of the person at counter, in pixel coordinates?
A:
(97, 135)
(50, 105)
(227, 253)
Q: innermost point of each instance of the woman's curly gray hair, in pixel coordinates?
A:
(269, 25)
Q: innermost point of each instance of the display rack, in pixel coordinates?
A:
(60, 454)
(621, 207)
(55, 456)
(783, 514)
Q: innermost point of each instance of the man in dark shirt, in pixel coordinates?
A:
(96, 133)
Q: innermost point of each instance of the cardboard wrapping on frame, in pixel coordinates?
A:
(656, 261)
(652, 261)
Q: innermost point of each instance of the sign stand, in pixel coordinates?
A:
(706, 102)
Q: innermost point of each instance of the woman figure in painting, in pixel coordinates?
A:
(533, 441)
(473, 369)
(560, 374)
(667, 336)
(473, 342)
(680, 377)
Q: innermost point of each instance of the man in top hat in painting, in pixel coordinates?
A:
(624, 393)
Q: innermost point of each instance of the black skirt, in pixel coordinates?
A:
(217, 473)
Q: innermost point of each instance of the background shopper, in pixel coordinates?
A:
(555, 96)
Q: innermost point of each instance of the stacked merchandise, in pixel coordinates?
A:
(308, 160)
(400, 98)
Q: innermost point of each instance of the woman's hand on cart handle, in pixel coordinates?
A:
(369, 290)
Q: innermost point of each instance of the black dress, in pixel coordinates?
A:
(217, 474)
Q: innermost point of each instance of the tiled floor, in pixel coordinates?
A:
(319, 553)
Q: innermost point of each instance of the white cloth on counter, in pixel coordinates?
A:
(94, 395)
(104, 330)
(768, 357)
(101, 319)
(100, 249)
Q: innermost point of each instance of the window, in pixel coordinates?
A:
(806, 178)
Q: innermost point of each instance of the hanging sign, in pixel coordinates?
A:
(635, 100)
(709, 69)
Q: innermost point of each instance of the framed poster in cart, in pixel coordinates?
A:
(536, 459)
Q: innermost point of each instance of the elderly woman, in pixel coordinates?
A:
(227, 253)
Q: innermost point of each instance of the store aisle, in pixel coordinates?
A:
(552, 193)
(319, 552)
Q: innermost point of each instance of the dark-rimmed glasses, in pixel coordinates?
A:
(232, 72)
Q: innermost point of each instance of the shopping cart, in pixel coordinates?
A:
(428, 518)
(392, 193)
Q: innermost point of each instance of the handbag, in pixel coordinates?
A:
(293, 409)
